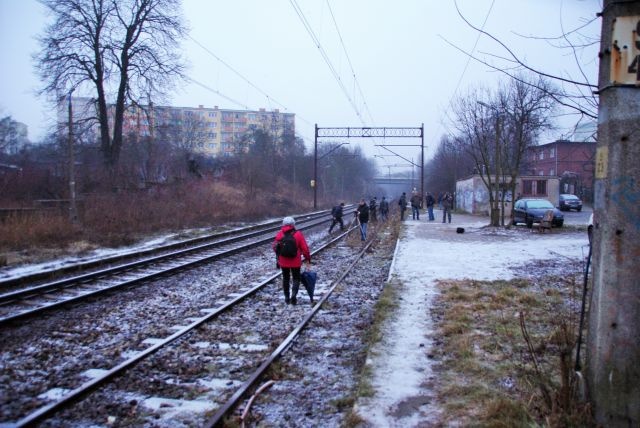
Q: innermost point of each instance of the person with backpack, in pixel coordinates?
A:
(384, 209)
(337, 213)
(289, 246)
(403, 204)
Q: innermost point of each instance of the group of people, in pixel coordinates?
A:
(291, 247)
(363, 213)
(445, 201)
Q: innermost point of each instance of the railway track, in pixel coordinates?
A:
(113, 273)
(204, 338)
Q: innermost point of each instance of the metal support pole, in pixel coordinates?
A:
(315, 170)
(421, 164)
(73, 210)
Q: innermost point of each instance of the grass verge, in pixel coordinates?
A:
(506, 352)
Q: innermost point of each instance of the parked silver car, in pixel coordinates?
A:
(570, 202)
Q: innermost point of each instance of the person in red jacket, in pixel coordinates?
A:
(290, 265)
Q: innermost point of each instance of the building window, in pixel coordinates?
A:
(552, 152)
(541, 187)
(534, 187)
(552, 171)
(541, 155)
(213, 114)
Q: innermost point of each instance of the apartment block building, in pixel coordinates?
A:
(213, 131)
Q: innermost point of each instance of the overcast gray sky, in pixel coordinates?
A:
(406, 72)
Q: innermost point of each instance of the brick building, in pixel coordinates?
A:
(572, 162)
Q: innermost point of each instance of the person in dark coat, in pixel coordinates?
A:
(373, 207)
(363, 218)
(291, 265)
(384, 209)
(416, 201)
(337, 213)
(430, 203)
(447, 205)
(403, 205)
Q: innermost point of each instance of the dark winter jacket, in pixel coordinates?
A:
(336, 212)
(430, 201)
(403, 202)
(447, 201)
(416, 200)
(363, 213)
(384, 206)
(301, 243)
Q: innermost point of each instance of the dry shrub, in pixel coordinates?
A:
(17, 232)
(122, 218)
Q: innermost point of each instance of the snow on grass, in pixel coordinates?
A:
(428, 252)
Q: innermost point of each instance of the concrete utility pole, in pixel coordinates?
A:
(613, 346)
(73, 208)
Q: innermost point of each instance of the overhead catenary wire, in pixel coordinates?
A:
(325, 57)
(249, 82)
(475, 45)
(353, 73)
(237, 73)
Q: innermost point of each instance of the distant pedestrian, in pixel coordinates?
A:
(430, 203)
(447, 205)
(373, 208)
(337, 213)
(416, 201)
(363, 218)
(403, 205)
(440, 195)
(290, 246)
(384, 209)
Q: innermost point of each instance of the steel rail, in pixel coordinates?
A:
(38, 276)
(218, 418)
(86, 388)
(82, 279)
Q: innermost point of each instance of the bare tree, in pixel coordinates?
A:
(479, 132)
(575, 93)
(121, 49)
(526, 107)
(496, 129)
(449, 163)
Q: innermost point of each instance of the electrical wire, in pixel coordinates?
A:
(325, 57)
(353, 73)
(237, 73)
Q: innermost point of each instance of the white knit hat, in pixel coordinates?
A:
(288, 221)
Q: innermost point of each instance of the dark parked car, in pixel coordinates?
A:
(570, 202)
(529, 211)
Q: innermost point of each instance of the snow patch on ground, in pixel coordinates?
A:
(431, 251)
